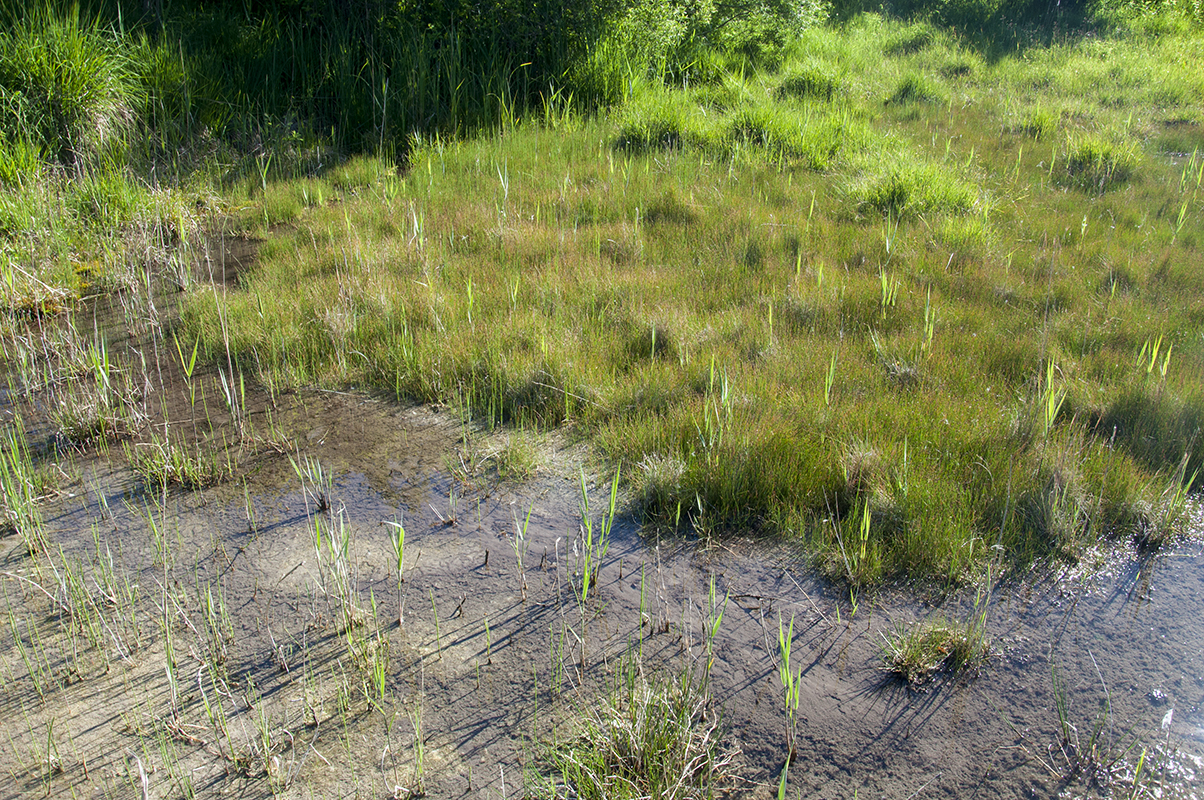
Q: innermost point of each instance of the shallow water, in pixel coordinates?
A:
(1126, 638)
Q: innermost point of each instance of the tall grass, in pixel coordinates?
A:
(66, 85)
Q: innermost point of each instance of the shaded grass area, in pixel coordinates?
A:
(924, 343)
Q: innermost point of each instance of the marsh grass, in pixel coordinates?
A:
(657, 735)
(841, 262)
(23, 485)
(1098, 163)
(917, 652)
(725, 322)
(162, 464)
(66, 83)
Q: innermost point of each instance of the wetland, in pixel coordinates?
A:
(804, 407)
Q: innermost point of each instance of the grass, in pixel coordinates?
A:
(864, 229)
(650, 736)
(882, 288)
(162, 463)
(918, 652)
(729, 289)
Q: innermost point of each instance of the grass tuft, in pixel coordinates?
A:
(915, 653)
(1098, 163)
(162, 464)
(903, 189)
(66, 83)
(650, 737)
(811, 79)
(915, 88)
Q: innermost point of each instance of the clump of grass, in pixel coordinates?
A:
(669, 209)
(960, 67)
(107, 199)
(786, 134)
(517, 457)
(915, 88)
(812, 79)
(915, 653)
(22, 485)
(1040, 123)
(19, 162)
(66, 83)
(360, 172)
(661, 120)
(1158, 428)
(651, 737)
(94, 396)
(649, 343)
(162, 464)
(906, 189)
(910, 40)
(1098, 163)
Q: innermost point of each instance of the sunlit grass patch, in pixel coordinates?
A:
(1096, 162)
(788, 134)
(1038, 123)
(915, 653)
(662, 120)
(651, 736)
(905, 188)
(732, 290)
(810, 79)
(915, 88)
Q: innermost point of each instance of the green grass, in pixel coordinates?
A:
(66, 86)
(916, 653)
(655, 736)
(162, 464)
(823, 286)
(778, 316)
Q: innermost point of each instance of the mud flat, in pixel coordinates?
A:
(244, 639)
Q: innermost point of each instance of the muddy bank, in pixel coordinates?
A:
(495, 654)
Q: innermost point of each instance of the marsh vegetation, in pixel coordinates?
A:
(396, 391)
